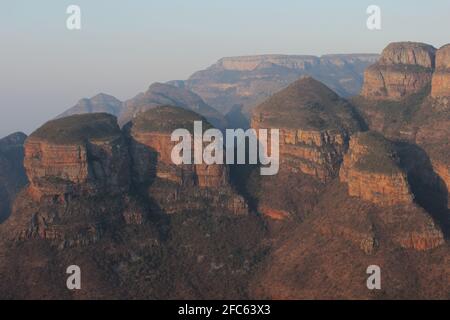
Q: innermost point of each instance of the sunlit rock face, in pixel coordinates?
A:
(371, 170)
(441, 77)
(78, 155)
(177, 187)
(404, 68)
(315, 126)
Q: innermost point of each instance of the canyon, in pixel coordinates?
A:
(362, 180)
(241, 83)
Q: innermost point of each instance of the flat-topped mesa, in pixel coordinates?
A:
(77, 155)
(404, 68)
(441, 78)
(315, 125)
(248, 63)
(176, 186)
(371, 170)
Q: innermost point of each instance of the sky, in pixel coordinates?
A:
(124, 46)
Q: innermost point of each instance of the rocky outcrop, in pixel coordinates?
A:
(78, 155)
(177, 187)
(160, 94)
(248, 81)
(371, 170)
(315, 125)
(441, 77)
(404, 68)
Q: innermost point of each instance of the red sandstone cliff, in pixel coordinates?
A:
(79, 155)
(403, 69)
(371, 170)
(190, 185)
(315, 125)
(441, 77)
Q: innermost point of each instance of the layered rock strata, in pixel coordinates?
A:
(404, 68)
(315, 126)
(371, 170)
(441, 77)
(151, 148)
(79, 155)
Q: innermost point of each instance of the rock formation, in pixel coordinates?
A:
(441, 77)
(248, 81)
(404, 68)
(79, 155)
(160, 94)
(371, 170)
(140, 227)
(192, 184)
(315, 126)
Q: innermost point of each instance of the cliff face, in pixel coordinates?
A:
(177, 187)
(315, 125)
(88, 156)
(404, 68)
(441, 77)
(12, 172)
(371, 170)
(250, 80)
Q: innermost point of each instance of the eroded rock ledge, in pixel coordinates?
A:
(404, 68)
(371, 170)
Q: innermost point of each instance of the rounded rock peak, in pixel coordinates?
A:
(77, 129)
(166, 119)
(409, 53)
(307, 104)
(443, 58)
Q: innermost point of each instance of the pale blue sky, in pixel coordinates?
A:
(126, 45)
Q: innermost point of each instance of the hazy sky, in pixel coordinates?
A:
(124, 46)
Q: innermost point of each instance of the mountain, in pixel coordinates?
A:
(416, 114)
(249, 80)
(403, 69)
(108, 200)
(362, 181)
(373, 205)
(99, 103)
(159, 94)
(12, 173)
